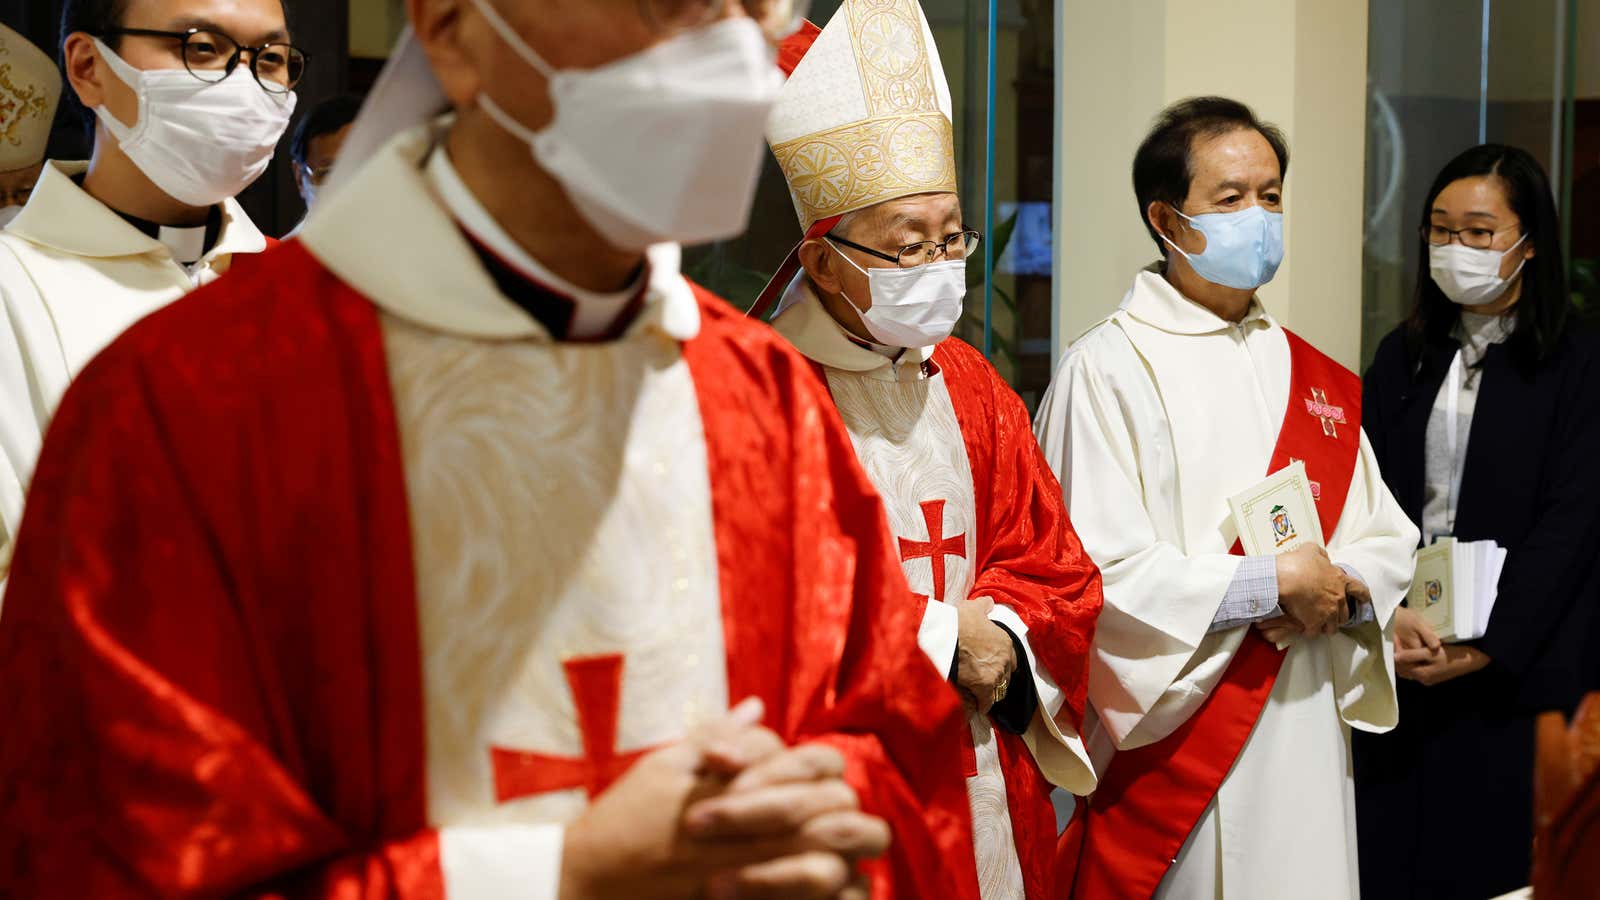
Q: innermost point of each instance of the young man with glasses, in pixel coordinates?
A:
(1006, 597)
(430, 562)
(187, 100)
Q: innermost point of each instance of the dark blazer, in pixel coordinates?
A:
(1531, 483)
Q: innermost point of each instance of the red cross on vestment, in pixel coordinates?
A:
(937, 547)
(1330, 415)
(596, 684)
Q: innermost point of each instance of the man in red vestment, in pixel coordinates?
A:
(431, 564)
(1010, 596)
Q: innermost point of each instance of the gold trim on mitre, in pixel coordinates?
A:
(30, 86)
(905, 145)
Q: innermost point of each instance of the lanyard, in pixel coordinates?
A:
(1452, 409)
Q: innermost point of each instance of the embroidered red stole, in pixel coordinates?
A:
(1150, 798)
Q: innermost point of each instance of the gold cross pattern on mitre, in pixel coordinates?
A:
(30, 87)
(865, 114)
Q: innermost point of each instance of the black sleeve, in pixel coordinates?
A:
(1543, 575)
(1015, 712)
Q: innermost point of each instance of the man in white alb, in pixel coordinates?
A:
(184, 119)
(1224, 762)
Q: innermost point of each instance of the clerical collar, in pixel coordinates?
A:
(883, 350)
(568, 312)
(187, 244)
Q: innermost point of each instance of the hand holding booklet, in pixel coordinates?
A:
(1455, 587)
(1278, 515)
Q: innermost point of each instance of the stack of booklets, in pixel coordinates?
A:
(1455, 587)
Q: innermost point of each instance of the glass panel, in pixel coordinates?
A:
(1581, 202)
(1443, 76)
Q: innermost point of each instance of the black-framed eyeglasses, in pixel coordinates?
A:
(1476, 238)
(957, 246)
(777, 18)
(211, 56)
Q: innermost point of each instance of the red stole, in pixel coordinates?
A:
(1150, 798)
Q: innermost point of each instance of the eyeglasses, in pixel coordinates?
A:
(957, 246)
(778, 18)
(316, 174)
(1476, 238)
(211, 56)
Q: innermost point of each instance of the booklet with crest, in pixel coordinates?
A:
(1279, 514)
(1455, 586)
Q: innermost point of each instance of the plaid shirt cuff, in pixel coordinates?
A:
(1252, 595)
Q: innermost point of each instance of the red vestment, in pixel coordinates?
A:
(1029, 559)
(210, 639)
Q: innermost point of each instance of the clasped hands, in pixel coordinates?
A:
(1420, 656)
(985, 655)
(1314, 595)
(728, 811)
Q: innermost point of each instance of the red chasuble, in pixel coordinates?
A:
(1150, 798)
(210, 643)
(1029, 559)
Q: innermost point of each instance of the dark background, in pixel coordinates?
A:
(320, 28)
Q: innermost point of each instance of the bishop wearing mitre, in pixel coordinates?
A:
(870, 295)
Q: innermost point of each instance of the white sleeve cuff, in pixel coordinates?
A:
(495, 861)
(1059, 752)
(941, 625)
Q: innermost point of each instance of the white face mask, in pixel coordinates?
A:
(200, 143)
(916, 307)
(7, 214)
(663, 145)
(1471, 277)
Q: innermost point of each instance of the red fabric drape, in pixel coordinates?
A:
(1029, 559)
(817, 613)
(211, 609)
(1029, 556)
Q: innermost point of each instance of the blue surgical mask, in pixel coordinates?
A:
(1243, 249)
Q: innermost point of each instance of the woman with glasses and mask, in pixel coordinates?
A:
(1484, 410)
(186, 101)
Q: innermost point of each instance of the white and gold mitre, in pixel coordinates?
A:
(865, 114)
(30, 87)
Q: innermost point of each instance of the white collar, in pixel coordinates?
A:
(1154, 301)
(594, 311)
(63, 216)
(807, 325)
(388, 234)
